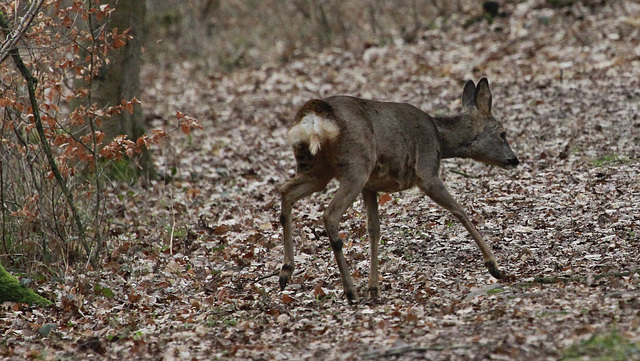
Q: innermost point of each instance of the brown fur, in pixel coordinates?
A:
(315, 106)
(385, 147)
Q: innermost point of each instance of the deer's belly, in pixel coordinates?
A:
(384, 180)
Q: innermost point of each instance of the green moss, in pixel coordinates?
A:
(603, 347)
(610, 159)
(103, 291)
(10, 290)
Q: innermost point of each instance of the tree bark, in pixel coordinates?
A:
(120, 78)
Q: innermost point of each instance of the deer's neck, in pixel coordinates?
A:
(454, 135)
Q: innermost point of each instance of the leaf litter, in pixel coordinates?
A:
(192, 265)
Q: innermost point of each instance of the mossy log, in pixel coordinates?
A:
(10, 290)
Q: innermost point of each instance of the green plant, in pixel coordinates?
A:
(603, 347)
(610, 159)
(103, 291)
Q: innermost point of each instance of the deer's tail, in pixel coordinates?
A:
(314, 126)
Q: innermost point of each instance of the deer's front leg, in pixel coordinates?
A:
(373, 228)
(436, 190)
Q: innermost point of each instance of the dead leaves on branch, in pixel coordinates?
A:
(187, 123)
(120, 146)
(63, 46)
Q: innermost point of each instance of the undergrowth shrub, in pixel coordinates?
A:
(237, 33)
(53, 155)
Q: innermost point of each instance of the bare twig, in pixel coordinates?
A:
(94, 151)
(464, 174)
(14, 35)
(4, 240)
(173, 228)
(31, 87)
(173, 224)
(561, 279)
(276, 273)
(265, 277)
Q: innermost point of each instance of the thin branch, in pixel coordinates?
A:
(467, 175)
(173, 228)
(94, 151)
(31, 87)
(4, 240)
(13, 36)
(265, 277)
(173, 223)
(567, 279)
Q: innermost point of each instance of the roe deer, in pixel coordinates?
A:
(371, 147)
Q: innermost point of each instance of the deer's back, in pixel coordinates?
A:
(391, 139)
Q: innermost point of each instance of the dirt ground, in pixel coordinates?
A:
(192, 263)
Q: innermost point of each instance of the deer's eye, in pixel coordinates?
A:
(503, 135)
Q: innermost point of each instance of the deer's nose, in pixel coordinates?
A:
(513, 161)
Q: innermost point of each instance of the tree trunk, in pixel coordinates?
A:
(120, 79)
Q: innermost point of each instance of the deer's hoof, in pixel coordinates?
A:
(374, 292)
(285, 276)
(352, 296)
(283, 282)
(493, 269)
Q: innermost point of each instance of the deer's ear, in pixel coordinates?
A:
(482, 98)
(468, 95)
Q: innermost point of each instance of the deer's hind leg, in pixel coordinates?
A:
(373, 228)
(302, 185)
(352, 182)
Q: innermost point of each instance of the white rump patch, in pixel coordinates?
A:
(313, 129)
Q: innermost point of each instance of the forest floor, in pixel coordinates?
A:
(191, 265)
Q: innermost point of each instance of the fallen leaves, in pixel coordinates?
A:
(565, 223)
(384, 199)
